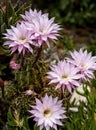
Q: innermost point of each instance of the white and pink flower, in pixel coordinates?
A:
(85, 62)
(65, 75)
(44, 29)
(48, 112)
(19, 39)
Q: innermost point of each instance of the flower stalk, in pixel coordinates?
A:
(2, 88)
(38, 55)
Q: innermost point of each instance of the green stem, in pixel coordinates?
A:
(38, 55)
(2, 88)
(62, 94)
(6, 11)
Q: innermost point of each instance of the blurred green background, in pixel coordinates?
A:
(71, 13)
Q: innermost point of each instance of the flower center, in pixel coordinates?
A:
(22, 39)
(64, 76)
(82, 65)
(47, 113)
(43, 31)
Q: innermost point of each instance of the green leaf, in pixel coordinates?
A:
(11, 120)
(3, 51)
(36, 127)
(1, 17)
(25, 124)
(3, 27)
(11, 10)
(21, 9)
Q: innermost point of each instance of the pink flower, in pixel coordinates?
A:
(19, 38)
(48, 112)
(14, 65)
(30, 15)
(1, 82)
(85, 62)
(65, 75)
(42, 27)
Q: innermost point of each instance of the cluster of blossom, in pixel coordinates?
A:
(67, 74)
(72, 71)
(36, 29)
